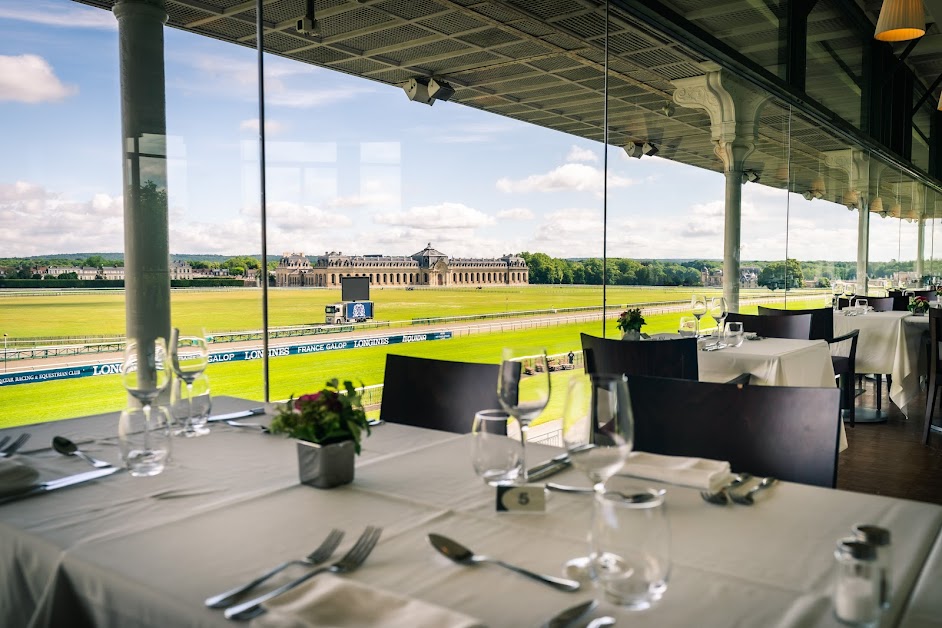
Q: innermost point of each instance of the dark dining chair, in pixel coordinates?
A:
(929, 294)
(935, 369)
(879, 304)
(437, 394)
(789, 433)
(660, 358)
(843, 350)
(797, 326)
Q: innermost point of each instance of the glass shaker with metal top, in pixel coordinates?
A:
(857, 584)
(879, 538)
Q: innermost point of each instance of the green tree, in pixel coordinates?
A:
(782, 274)
(95, 261)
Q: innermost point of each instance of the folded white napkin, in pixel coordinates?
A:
(327, 601)
(16, 476)
(699, 473)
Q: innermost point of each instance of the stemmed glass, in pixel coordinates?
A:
(190, 355)
(687, 327)
(144, 438)
(719, 312)
(699, 306)
(523, 389)
(598, 431)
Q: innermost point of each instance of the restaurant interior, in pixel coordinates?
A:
(786, 110)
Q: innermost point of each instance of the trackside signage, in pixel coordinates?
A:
(236, 355)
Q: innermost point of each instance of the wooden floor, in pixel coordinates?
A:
(889, 458)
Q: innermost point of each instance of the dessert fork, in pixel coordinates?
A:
(316, 557)
(11, 449)
(746, 499)
(720, 497)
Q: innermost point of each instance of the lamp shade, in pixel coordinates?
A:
(901, 20)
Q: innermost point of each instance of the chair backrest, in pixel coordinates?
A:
(929, 295)
(660, 358)
(786, 432)
(797, 326)
(935, 337)
(822, 320)
(437, 394)
(883, 304)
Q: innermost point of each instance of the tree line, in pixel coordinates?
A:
(544, 269)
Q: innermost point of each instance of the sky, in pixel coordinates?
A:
(352, 166)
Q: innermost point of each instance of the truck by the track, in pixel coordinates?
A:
(348, 312)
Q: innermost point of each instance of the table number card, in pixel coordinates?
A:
(521, 498)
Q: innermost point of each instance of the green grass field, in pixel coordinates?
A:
(63, 314)
(50, 401)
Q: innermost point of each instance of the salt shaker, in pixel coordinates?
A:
(857, 584)
(879, 538)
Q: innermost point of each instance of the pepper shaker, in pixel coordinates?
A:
(879, 538)
(857, 584)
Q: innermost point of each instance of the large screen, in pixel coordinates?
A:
(354, 288)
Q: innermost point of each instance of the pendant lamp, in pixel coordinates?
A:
(901, 20)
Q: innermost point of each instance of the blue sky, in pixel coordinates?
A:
(353, 165)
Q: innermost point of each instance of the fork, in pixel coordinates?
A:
(316, 557)
(10, 449)
(350, 561)
(719, 497)
(746, 499)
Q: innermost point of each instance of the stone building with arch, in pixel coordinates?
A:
(428, 267)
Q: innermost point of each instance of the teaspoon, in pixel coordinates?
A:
(67, 448)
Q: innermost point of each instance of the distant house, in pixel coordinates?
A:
(181, 270)
(748, 277)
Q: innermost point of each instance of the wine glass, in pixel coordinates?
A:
(523, 389)
(190, 356)
(699, 306)
(598, 431)
(718, 312)
(687, 327)
(145, 373)
(190, 404)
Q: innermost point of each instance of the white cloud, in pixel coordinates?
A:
(577, 177)
(470, 133)
(30, 79)
(62, 14)
(444, 216)
(271, 126)
(283, 81)
(577, 153)
(36, 221)
(360, 201)
(516, 213)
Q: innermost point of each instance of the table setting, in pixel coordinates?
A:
(229, 530)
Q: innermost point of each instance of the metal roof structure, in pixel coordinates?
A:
(543, 62)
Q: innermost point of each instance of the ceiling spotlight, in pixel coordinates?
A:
(440, 90)
(307, 24)
(417, 90)
(649, 149)
(751, 176)
(634, 150)
(808, 195)
(668, 109)
(884, 214)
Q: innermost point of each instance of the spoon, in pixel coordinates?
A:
(463, 556)
(67, 448)
(746, 499)
(601, 622)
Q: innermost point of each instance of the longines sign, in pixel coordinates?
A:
(239, 355)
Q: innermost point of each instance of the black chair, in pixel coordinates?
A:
(935, 369)
(843, 358)
(789, 433)
(879, 304)
(437, 394)
(797, 326)
(929, 294)
(660, 358)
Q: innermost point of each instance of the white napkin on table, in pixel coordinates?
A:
(16, 476)
(699, 473)
(327, 601)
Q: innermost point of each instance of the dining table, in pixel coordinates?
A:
(889, 343)
(129, 551)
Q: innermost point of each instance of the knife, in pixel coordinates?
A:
(553, 465)
(570, 616)
(236, 415)
(58, 483)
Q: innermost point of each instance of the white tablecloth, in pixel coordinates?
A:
(889, 343)
(131, 552)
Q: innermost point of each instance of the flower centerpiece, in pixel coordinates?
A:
(918, 305)
(328, 425)
(630, 322)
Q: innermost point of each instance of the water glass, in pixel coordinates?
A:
(144, 435)
(733, 334)
(630, 545)
(861, 306)
(496, 450)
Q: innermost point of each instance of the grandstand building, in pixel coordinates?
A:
(428, 267)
